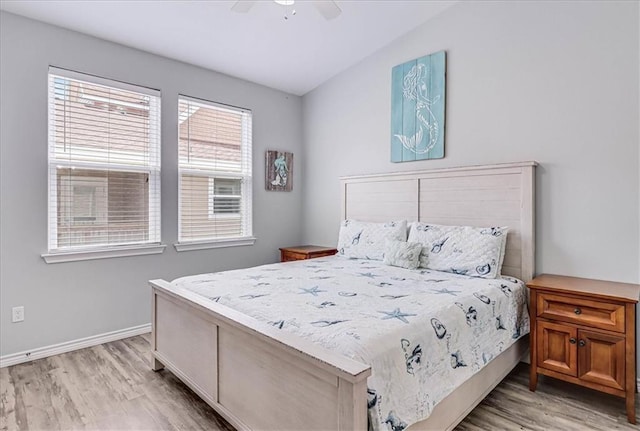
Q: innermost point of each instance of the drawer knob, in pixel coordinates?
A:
(582, 343)
(577, 311)
(572, 340)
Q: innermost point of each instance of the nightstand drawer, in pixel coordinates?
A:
(289, 256)
(596, 314)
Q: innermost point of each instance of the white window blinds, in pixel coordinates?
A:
(215, 171)
(104, 163)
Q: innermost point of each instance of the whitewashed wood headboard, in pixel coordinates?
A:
(488, 195)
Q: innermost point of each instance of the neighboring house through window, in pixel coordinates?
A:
(225, 197)
(104, 163)
(215, 173)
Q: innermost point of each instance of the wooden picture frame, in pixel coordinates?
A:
(278, 171)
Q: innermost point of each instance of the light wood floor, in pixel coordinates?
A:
(111, 387)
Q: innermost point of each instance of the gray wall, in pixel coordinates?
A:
(68, 301)
(555, 82)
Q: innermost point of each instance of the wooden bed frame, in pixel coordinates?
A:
(260, 378)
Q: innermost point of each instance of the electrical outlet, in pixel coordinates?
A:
(17, 314)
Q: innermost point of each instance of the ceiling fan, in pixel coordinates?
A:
(327, 8)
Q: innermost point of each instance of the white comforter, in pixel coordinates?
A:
(423, 332)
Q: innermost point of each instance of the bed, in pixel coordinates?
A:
(260, 377)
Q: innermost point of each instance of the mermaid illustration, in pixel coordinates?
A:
(415, 88)
(281, 171)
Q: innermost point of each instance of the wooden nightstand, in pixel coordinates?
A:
(305, 252)
(583, 332)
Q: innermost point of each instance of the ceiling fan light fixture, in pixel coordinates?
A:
(329, 9)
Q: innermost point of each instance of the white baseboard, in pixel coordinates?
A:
(68, 346)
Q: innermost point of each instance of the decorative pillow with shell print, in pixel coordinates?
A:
(465, 250)
(361, 240)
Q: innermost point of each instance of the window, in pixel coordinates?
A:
(215, 175)
(225, 197)
(104, 164)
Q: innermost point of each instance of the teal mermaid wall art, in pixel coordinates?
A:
(417, 109)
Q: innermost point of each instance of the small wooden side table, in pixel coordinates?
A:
(584, 331)
(305, 252)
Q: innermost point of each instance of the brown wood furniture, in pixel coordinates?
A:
(302, 252)
(583, 332)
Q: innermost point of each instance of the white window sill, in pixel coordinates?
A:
(103, 253)
(214, 243)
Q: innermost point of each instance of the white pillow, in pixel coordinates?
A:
(402, 254)
(466, 250)
(361, 240)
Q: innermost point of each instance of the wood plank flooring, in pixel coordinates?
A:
(111, 387)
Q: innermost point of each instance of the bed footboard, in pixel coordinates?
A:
(255, 377)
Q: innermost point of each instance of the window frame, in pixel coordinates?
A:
(200, 169)
(55, 253)
(211, 201)
(64, 215)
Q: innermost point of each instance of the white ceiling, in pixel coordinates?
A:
(294, 55)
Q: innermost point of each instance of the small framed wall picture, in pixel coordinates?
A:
(278, 171)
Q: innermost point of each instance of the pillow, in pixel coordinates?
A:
(466, 250)
(402, 254)
(360, 240)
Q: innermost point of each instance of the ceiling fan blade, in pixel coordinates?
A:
(327, 8)
(243, 6)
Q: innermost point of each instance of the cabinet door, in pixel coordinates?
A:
(601, 358)
(557, 347)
